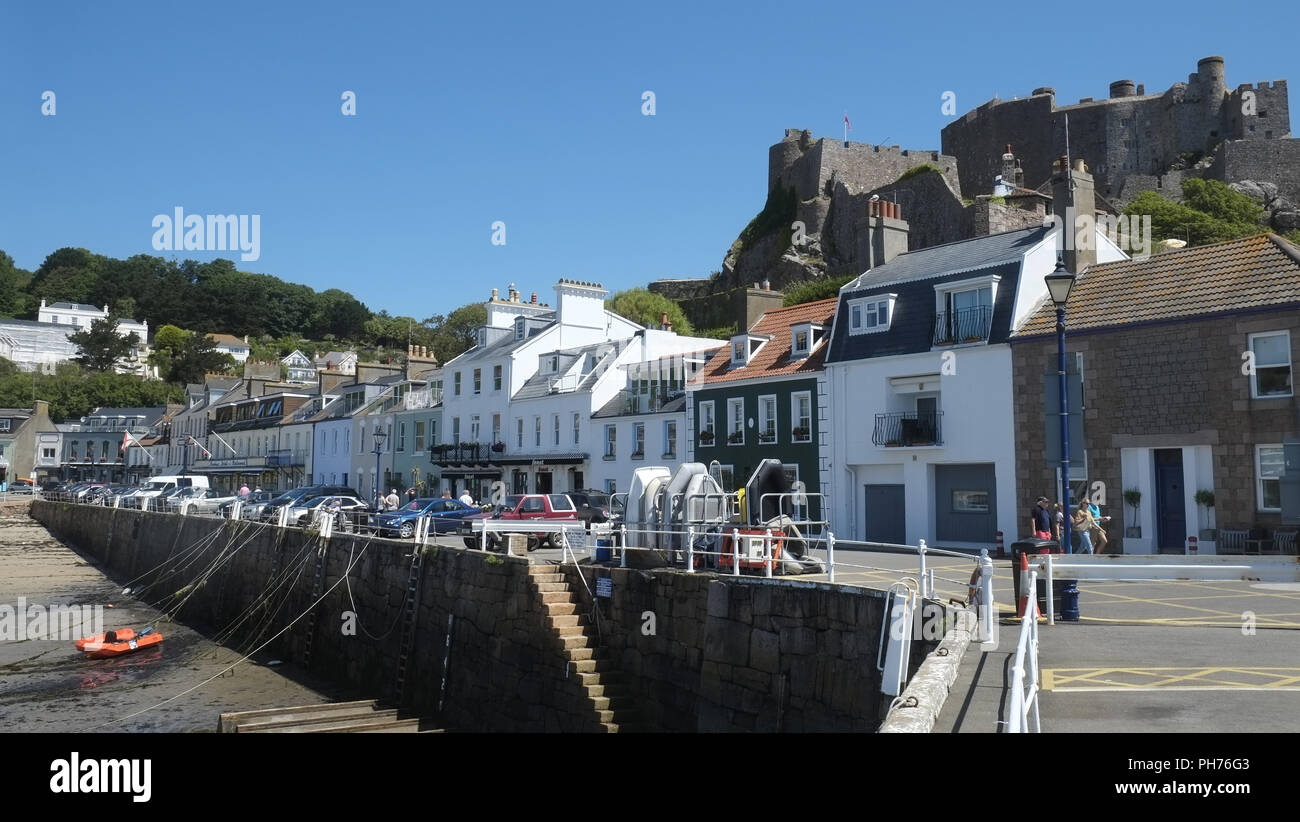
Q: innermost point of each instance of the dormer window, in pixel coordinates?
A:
(519, 328)
(744, 347)
(482, 337)
(804, 338)
(869, 315)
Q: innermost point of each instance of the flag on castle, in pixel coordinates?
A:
(846, 122)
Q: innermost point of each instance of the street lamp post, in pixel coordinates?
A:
(380, 437)
(1059, 283)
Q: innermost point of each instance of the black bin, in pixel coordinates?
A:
(1032, 547)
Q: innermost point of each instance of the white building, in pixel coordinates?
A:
(79, 317)
(232, 345)
(34, 346)
(299, 366)
(920, 378)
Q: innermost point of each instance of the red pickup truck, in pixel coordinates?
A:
(523, 506)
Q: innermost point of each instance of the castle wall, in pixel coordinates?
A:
(1275, 161)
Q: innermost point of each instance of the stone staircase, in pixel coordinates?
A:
(601, 683)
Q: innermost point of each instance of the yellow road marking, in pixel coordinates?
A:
(1223, 678)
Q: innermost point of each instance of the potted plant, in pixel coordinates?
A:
(736, 437)
(1205, 498)
(800, 433)
(767, 437)
(706, 437)
(498, 447)
(1134, 498)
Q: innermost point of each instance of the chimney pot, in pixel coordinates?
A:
(494, 294)
(1079, 166)
(534, 300)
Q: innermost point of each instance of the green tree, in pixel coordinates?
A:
(453, 334)
(643, 306)
(13, 285)
(814, 290)
(1211, 212)
(184, 356)
(101, 347)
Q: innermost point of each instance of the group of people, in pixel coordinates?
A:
(1086, 521)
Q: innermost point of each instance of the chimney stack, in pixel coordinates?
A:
(494, 295)
(886, 233)
(1008, 167)
(533, 301)
(1074, 203)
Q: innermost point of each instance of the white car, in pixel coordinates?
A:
(304, 512)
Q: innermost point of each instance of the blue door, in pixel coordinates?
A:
(885, 514)
(1171, 512)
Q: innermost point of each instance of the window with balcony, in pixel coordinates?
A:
(706, 426)
(1272, 355)
(767, 420)
(871, 315)
(736, 421)
(965, 314)
(638, 440)
(1268, 477)
(611, 442)
(922, 427)
(670, 439)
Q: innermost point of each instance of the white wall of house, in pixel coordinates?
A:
(332, 447)
(619, 469)
(977, 427)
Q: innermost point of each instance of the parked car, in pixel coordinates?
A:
(271, 511)
(352, 508)
(596, 506)
(85, 488)
(446, 513)
(195, 497)
(22, 486)
(254, 502)
(523, 507)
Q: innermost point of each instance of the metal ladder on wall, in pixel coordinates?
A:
(408, 618)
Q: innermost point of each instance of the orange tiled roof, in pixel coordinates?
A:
(1251, 272)
(773, 359)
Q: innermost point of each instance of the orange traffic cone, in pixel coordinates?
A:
(1023, 605)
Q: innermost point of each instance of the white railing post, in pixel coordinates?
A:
(986, 597)
(622, 554)
(767, 553)
(830, 553)
(1051, 600)
(735, 552)
(690, 549)
(483, 539)
(921, 578)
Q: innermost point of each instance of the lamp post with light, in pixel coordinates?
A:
(1059, 283)
(380, 437)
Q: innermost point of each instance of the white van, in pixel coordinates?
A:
(166, 483)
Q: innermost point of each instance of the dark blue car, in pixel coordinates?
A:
(446, 513)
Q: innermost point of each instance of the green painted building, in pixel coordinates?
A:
(761, 397)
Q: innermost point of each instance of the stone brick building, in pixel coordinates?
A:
(1163, 345)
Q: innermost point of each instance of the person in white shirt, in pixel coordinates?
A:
(391, 501)
(466, 498)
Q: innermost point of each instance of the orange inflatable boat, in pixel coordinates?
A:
(120, 635)
(146, 638)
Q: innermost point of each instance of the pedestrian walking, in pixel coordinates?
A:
(1099, 535)
(1058, 522)
(391, 501)
(243, 490)
(1040, 520)
(1083, 524)
(466, 498)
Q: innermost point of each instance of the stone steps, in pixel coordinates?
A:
(612, 708)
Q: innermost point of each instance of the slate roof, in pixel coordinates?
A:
(500, 348)
(913, 276)
(539, 385)
(1252, 272)
(773, 359)
(616, 406)
(229, 340)
(75, 307)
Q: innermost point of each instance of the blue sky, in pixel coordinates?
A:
(474, 113)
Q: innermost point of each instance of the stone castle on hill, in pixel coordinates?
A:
(1134, 141)
(993, 174)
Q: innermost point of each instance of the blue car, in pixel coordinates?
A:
(446, 513)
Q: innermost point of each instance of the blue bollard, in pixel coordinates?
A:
(1070, 601)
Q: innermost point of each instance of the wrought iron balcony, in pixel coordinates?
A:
(965, 325)
(902, 429)
(285, 457)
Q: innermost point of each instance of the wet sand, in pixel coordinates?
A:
(48, 686)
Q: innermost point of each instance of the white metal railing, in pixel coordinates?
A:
(1164, 567)
(1024, 703)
